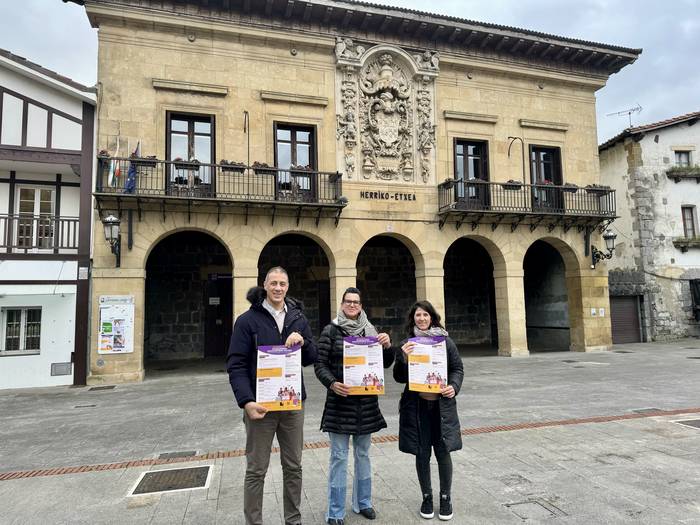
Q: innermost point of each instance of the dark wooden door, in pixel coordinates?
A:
(624, 318)
(218, 308)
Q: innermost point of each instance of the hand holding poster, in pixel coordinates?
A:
(278, 383)
(427, 365)
(363, 366)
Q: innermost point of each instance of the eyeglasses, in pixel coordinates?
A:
(352, 303)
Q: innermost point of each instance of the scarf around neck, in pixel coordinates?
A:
(433, 331)
(359, 326)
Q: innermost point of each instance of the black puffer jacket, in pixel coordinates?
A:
(409, 422)
(352, 414)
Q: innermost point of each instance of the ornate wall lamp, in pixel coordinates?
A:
(113, 236)
(597, 255)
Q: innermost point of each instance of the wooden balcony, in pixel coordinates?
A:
(130, 183)
(43, 234)
(512, 203)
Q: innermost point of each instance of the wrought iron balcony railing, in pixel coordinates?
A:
(146, 177)
(514, 198)
(24, 233)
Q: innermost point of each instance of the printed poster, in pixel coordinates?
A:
(363, 366)
(278, 383)
(116, 330)
(427, 365)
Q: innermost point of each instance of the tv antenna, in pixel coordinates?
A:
(628, 112)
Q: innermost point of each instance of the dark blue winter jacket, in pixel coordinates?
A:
(255, 328)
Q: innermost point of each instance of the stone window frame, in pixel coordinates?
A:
(678, 154)
(536, 168)
(689, 220)
(191, 118)
(22, 335)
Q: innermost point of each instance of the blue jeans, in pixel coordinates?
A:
(338, 470)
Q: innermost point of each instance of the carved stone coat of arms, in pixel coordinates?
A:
(386, 99)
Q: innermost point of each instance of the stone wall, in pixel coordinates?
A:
(307, 267)
(546, 299)
(177, 273)
(387, 279)
(469, 302)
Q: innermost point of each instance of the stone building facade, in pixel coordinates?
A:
(413, 155)
(654, 169)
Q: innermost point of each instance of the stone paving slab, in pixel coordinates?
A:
(605, 481)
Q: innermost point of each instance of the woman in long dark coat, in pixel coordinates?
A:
(345, 416)
(429, 420)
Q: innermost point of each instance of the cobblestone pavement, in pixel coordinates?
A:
(546, 440)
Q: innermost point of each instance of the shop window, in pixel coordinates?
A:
(21, 330)
(683, 159)
(688, 213)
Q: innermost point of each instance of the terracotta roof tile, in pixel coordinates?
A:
(648, 127)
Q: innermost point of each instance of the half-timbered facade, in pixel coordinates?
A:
(47, 124)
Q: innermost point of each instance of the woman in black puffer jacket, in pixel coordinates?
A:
(430, 420)
(344, 415)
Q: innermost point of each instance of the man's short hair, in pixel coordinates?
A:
(276, 269)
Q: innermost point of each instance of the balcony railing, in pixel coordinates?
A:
(181, 179)
(525, 199)
(38, 234)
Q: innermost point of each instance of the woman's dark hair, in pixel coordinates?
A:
(423, 305)
(352, 289)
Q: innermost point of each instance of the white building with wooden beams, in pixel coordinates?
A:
(47, 124)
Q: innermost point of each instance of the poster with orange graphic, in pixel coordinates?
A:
(278, 381)
(427, 365)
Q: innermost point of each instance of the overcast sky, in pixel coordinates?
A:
(665, 80)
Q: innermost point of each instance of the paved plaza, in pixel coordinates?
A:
(551, 438)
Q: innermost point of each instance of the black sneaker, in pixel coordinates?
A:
(426, 509)
(445, 507)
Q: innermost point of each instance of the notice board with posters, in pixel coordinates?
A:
(116, 330)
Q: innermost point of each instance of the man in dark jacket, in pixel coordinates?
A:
(273, 319)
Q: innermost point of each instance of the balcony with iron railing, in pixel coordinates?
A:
(171, 182)
(38, 234)
(512, 202)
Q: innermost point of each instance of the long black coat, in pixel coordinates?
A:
(351, 414)
(409, 422)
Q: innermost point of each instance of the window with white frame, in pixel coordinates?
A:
(35, 208)
(21, 329)
(682, 159)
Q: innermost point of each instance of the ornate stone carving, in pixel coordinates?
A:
(386, 111)
(346, 49)
(429, 60)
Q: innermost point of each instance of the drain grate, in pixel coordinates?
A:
(694, 357)
(646, 410)
(181, 454)
(172, 480)
(695, 423)
(622, 352)
(95, 388)
(569, 361)
(84, 406)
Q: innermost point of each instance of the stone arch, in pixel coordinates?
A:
(386, 274)
(188, 299)
(470, 299)
(552, 289)
(306, 259)
(167, 233)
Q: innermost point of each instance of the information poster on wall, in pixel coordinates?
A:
(427, 365)
(278, 384)
(363, 366)
(116, 330)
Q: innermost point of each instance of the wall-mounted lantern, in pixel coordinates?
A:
(113, 236)
(597, 255)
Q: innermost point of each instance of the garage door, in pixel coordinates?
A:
(624, 317)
